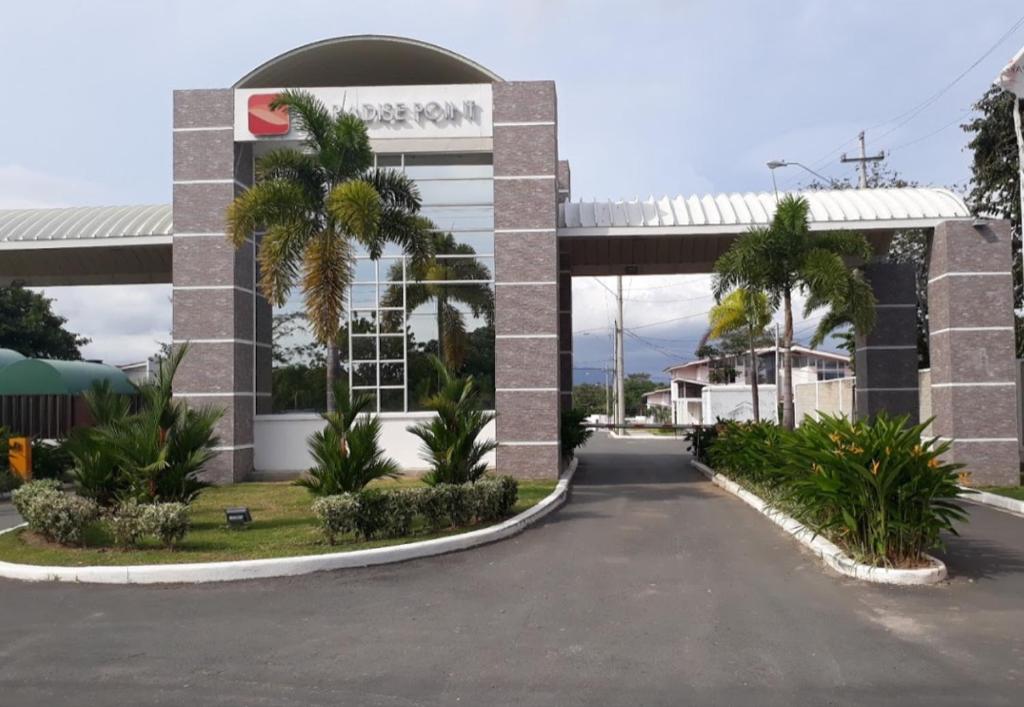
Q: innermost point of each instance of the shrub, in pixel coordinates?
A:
(50, 460)
(493, 499)
(384, 514)
(749, 450)
(445, 505)
(127, 523)
(574, 434)
(347, 451)
(700, 439)
(451, 439)
(336, 515)
(168, 522)
(57, 516)
(875, 485)
(25, 496)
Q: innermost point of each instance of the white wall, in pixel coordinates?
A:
(280, 440)
(733, 402)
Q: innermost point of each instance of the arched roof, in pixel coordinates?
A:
(9, 356)
(36, 376)
(84, 223)
(366, 60)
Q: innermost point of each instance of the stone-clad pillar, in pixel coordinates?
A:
(526, 278)
(215, 306)
(565, 372)
(971, 330)
(886, 358)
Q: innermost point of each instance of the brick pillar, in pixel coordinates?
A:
(526, 278)
(564, 331)
(214, 303)
(971, 338)
(886, 359)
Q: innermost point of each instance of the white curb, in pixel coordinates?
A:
(200, 572)
(994, 500)
(827, 551)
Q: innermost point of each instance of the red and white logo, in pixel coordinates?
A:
(263, 120)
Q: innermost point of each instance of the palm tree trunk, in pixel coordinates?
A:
(754, 394)
(332, 376)
(788, 415)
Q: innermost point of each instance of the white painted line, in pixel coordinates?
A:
(510, 177)
(829, 552)
(522, 124)
(245, 394)
(526, 336)
(994, 500)
(201, 130)
(978, 439)
(971, 328)
(526, 230)
(906, 347)
(546, 283)
(981, 384)
(201, 572)
(212, 287)
(232, 447)
(526, 390)
(527, 444)
(987, 273)
(896, 306)
(886, 390)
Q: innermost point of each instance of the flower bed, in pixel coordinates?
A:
(283, 525)
(876, 490)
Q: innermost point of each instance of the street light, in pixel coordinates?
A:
(775, 164)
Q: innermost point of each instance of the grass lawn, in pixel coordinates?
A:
(1016, 492)
(283, 525)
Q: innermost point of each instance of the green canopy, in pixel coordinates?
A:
(31, 376)
(8, 356)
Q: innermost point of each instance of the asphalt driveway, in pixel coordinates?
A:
(652, 586)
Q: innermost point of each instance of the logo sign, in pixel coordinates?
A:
(263, 120)
(389, 112)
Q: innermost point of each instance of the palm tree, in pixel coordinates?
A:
(427, 282)
(312, 204)
(786, 257)
(748, 312)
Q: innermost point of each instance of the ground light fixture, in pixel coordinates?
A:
(238, 517)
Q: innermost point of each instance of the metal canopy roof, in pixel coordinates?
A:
(36, 376)
(85, 225)
(867, 209)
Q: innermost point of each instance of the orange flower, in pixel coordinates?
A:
(933, 463)
(874, 467)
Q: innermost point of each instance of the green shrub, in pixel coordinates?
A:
(445, 505)
(57, 516)
(385, 513)
(749, 450)
(451, 439)
(336, 515)
(493, 499)
(347, 452)
(877, 486)
(701, 438)
(167, 522)
(127, 523)
(50, 460)
(574, 434)
(25, 496)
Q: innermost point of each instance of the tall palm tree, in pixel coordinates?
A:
(786, 257)
(314, 204)
(427, 282)
(747, 312)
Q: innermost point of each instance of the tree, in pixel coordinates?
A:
(427, 282)
(995, 178)
(748, 312)
(591, 398)
(634, 387)
(786, 257)
(29, 326)
(314, 205)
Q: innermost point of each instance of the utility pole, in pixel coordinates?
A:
(863, 160)
(620, 387)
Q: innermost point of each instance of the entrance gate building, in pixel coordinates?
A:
(488, 150)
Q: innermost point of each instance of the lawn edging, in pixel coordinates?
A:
(830, 553)
(235, 570)
(994, 500)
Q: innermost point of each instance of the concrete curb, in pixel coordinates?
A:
(827, 551)
(201, 572)
(994, 500)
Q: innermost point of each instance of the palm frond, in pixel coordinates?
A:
(327, 273)
(266, 203)
(310, 116)
(356, 207)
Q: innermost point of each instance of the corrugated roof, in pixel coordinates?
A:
(84, 223)
(861, 208)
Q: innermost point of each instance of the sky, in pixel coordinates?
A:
(656, 97)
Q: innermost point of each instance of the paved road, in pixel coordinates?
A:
(651, 587)
(8, 516)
